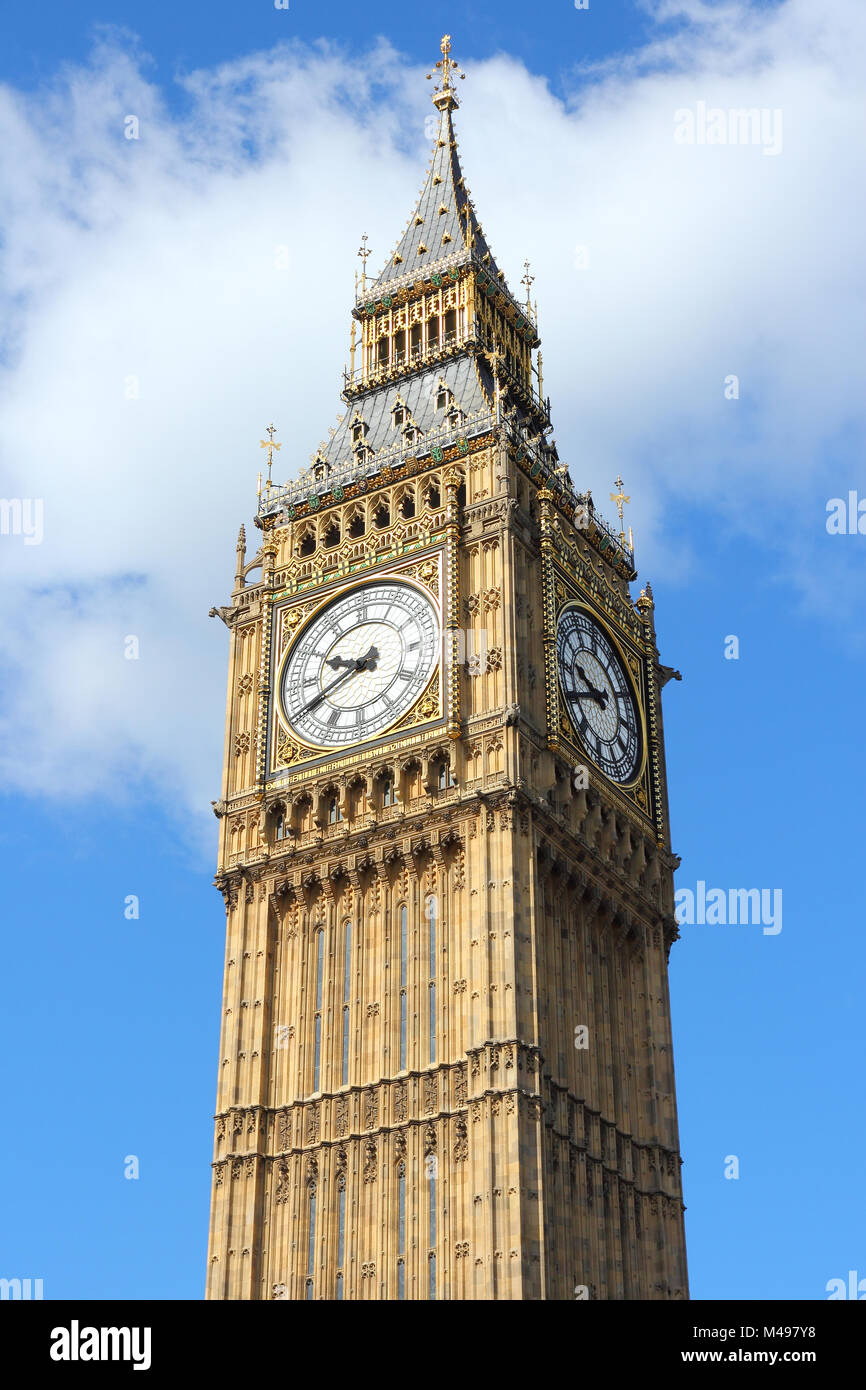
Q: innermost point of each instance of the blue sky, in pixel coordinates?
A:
(154, 261)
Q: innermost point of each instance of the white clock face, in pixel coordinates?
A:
(598, 695)
(360, 664)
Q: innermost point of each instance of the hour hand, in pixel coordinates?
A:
(600, 696)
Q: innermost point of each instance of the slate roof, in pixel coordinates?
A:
(443, 223)
(470, 384)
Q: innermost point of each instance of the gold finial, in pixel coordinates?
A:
(363, 253)
(270, 446)
(620, 499)
(527, 281)
(444, 96)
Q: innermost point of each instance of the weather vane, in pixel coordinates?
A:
(270, 446)
(620, 499)
(443, 94)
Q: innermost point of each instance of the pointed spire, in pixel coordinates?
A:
(444, 229)
(241, 558)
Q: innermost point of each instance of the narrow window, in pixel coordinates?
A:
(433, 332)
(432, 912)
(335, 815)
(415, 340)
(387, 791)
(401, 1232)
(347, 985)
(431, 1184)
(341, 1230)
(403, 981)
(320, 962)
(383, 352)
(311, 1250)
(443, 776)
(450, 325)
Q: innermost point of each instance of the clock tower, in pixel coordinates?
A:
(445, 1064)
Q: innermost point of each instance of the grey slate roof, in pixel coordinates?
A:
(444, 220)
(470, 383)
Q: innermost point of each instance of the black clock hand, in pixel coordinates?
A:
(600, 696)
(317, 699)
(354, 666)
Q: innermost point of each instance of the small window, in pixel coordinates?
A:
(281, 826)
(443, 776)
(356, 527)
(382, 352)
(388, 791)
(450, 325)
(308, 544)
(335, 815)
(358, 429)
(443, 397)
(407, 507)
(434, 498)
(398, 416)
(382, 516)
(332, 536)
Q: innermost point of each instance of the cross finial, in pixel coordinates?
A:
(363, 253)
(527, 280)
(620, 499)
(270, 446)
(443, 94)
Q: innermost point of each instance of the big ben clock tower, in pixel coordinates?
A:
(445, 1063)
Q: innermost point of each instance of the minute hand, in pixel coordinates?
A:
(317, 699)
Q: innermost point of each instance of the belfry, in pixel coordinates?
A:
(445, 1066)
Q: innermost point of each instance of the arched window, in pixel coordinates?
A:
(388, 798)
(335, 815)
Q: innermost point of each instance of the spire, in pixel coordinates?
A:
(444, 230)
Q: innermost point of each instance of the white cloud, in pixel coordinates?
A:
(158, 259)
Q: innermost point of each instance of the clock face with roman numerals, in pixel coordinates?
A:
(598, 695)
(360, 664)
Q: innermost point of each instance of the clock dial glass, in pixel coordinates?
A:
(598, 695)
(360, 664)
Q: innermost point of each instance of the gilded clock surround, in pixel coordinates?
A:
(292, 619)
(415, 927)
(632, 662)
